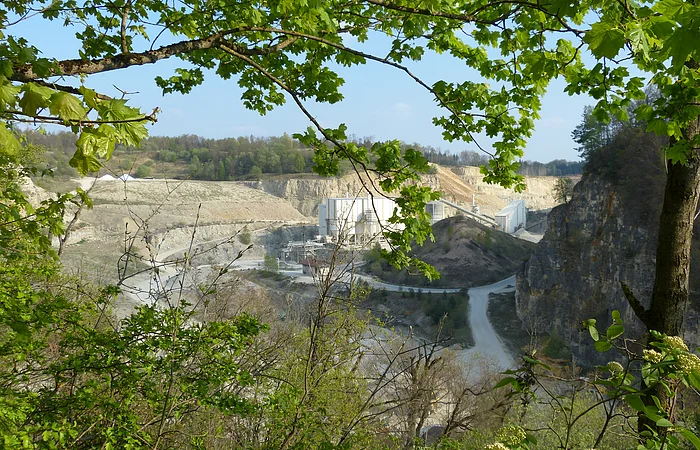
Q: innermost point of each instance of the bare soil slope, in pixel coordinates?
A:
(171, 209)
(466, 254)
(492, 198)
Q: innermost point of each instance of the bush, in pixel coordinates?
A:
(143, 171)
(244, 236)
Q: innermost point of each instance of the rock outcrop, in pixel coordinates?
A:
(592, 244)
(305, 193)
(460, 185)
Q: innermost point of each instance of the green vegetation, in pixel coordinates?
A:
(465, 252)
(241, 158)
(555, 348)
(563, 189)
(452, 310)
(244, 236)
(189, 156)
(631, 159)
(447, 314)
(68, 382)
(271, 263)
(503, 316)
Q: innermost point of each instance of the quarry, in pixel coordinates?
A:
(295, 222)
(219, 209)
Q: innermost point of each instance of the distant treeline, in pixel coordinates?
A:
(557, 167)
(241, 158)
(190, 156)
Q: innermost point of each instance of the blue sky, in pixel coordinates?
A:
(379, 102)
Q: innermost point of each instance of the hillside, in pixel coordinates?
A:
(224, 207)
(171, 209)
(491, 198)
(465, 253)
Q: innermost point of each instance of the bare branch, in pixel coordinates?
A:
(641, 313)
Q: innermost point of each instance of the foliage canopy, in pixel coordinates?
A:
(290, 50)
(280, 50)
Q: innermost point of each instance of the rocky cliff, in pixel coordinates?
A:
(305, 193)
(457, 184)
(605, 235)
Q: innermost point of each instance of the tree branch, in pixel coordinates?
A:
(641, 313)
(69, 89)
(473, 18)
(125, 19)
(71, 67)
(11, 115)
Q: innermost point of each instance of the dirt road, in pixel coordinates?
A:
(487, 343)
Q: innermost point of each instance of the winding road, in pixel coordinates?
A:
(486, 342)
(487, 345)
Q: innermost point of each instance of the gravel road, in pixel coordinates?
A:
(487, 343)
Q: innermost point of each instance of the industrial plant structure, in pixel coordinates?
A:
(436, 211)
(354, 219)
(357, 220)
(512, 217)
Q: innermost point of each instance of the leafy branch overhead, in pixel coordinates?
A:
(290, 50)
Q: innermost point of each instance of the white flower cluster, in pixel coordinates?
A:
(688, 362)
(615, 368)
(496, 446)
(653, 356)
(511, 435)
(675, 342)
(685, 361)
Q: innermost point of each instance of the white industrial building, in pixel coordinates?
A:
(512, 217)
(354, 219)
(360, 219)
(436, 211)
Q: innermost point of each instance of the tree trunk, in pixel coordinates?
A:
(669, 299)
(670, 295)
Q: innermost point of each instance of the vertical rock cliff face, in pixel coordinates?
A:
(591, 245)
(306, 193)
(456, 184)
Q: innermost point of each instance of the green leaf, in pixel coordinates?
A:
(680, 45)
(615, 331)
(694, 378)
(89, 96)
(8, 141)
(603, 346)
(98, 141)
(678, 152)
(635, 402)
(604, 40)
(689, 435)
(85, 164)
(505, 381)
(639, 40)
(616, 315)
(84, 197)
(67, 106)
(129, 130)
(594, 332)
(6, 68)
(664, 423)
(670, 8)
(35, 98)
(8, 94)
